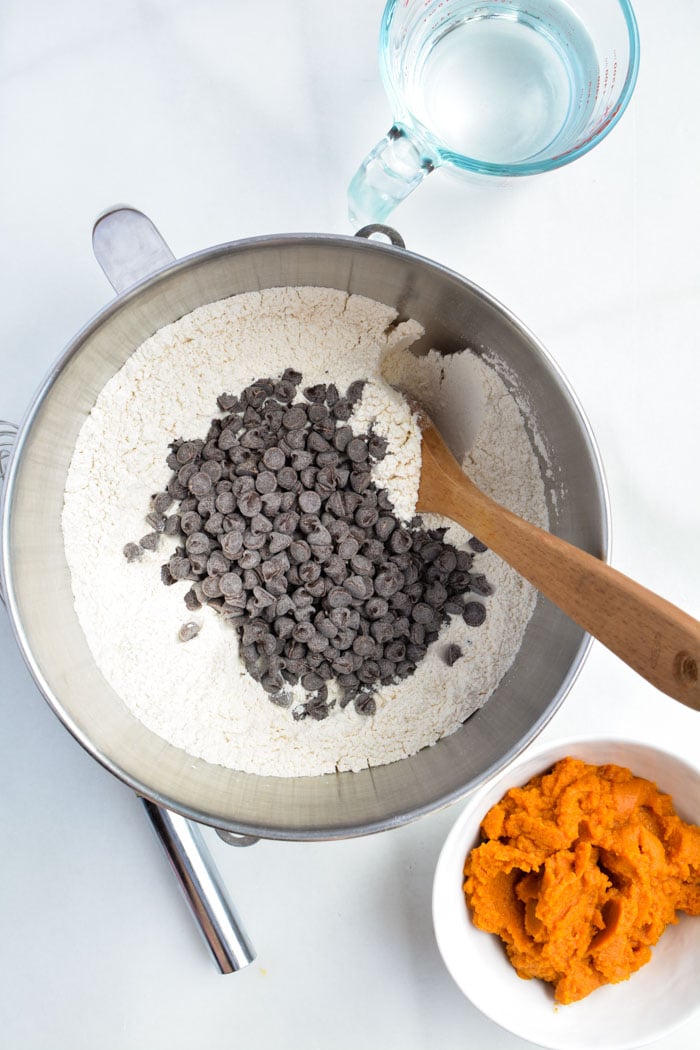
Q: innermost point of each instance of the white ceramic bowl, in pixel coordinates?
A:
(654, 1001)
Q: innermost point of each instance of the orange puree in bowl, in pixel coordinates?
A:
(579, 872)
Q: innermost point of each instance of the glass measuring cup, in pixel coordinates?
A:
(494, 87)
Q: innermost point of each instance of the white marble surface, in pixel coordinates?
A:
(223, 119)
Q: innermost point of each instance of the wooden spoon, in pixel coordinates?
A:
(659, 641)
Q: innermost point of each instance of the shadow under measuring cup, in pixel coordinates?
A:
(494, 88)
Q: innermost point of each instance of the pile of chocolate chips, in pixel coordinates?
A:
(287, 536)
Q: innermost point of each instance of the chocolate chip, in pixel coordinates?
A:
(315, 393)
(249, 504)
(452, 654)
(176, 490)
(217, 564)
(369, 672)
(281, 698)
(377, 446)
(365, 704)
(366, 516)
(295, 417)
(447, 561)
(384, 527)
(231, 584)
(213, 470)
(436, 594)
(388, 581)
(287, 478)
(241, 485)
(227, 402)
(162, 502)
(474, 614)
(303, 631)
(338, 597)
(317, 642)
(422, 613)
(156, 521)
(361, 564)
(179, 567)
(309, 502)
(200, 484)
(211, 587)
(255, 394)
(326, 481)
(274, 458)
(232, 544)
(348, 548)
(248, 559)
(395, 651)
(215, 524)
(326, 627)
(382, 631)
(285, 390)
(375, 608)
(192, 602)
(132, 551)
(279, 541)
(342, 438)
(272, 502)
(319, 536)
(259, 523)
(227, 440)
(301, 459)
(188, 631)
(299, 551)
(360, 481)
(266, 482)
(477, 583)
(364, 645)
(317, 442)
(309, 571)
(357, 450)
(225, 502)
(342, 409)
(318, 710)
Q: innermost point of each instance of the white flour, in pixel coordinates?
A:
(197, 695)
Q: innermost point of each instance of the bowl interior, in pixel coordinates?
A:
(656, 999)
(455, 314)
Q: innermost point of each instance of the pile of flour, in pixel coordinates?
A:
(197, 695)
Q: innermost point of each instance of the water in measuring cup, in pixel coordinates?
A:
(497, 85)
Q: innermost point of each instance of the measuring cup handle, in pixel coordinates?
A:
(387, 175)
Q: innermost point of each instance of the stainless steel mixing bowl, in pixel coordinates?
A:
(455, 313)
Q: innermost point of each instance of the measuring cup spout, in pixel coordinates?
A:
(387, 175)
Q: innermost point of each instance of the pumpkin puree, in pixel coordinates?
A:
(580, 872)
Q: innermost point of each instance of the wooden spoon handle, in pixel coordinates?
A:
(658, 640)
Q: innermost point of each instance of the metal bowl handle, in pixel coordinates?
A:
(200, 882)
(128, 247)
